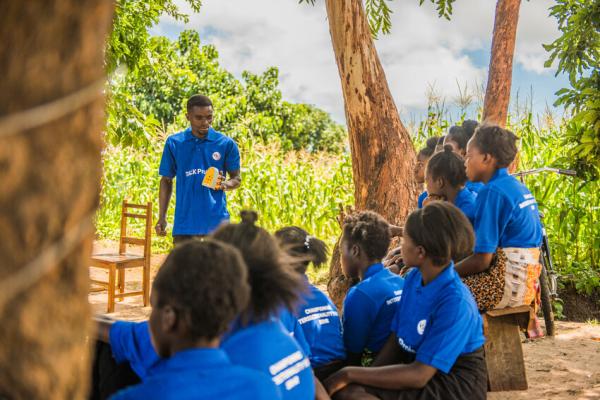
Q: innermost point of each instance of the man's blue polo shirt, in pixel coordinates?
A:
(506, 215)
(474, 187)
(198, 209)
(201, 374)
(369, 308)
(439, 321)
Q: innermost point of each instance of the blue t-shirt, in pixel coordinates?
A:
(130, 341)
(198, 209)
(198, 374)
(474, 187)
(421, 199)
(506, 215)
(369, 308)
(439, 321)
(322, 328)
(291, 324)
(267, 347)
(466, 200)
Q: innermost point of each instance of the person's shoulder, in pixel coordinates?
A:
(145, 390)
(178, 137)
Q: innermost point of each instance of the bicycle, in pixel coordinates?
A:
(548, 277)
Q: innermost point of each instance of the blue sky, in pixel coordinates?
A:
(422, 52)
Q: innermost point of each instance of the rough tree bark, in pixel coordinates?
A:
(497, 93)
(382, 152)
(49, 181)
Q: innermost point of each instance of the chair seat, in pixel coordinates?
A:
(122, 260)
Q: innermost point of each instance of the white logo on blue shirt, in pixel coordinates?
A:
(421, 326)
(216, 156)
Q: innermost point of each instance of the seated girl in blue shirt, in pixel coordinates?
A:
(457, 138)
(504, 268)
(193, 302)
(317, 315)
(445, 179)
(435, 348)
(370, 305)
(257, 339)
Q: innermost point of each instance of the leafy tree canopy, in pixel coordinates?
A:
(149, 100)
(577, 51)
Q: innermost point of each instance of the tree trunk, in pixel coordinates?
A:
(382, 152)
(497, 93)
(49, 183)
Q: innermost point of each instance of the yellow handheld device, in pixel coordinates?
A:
(211, 179)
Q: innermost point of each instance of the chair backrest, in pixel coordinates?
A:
(140, 211)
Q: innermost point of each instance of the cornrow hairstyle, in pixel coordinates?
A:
(274, 282)
(429, 148)
(206, 281)
(442, 230)
(304, 247)
(500, 143)
(458, 135)
(449, 166)
(469, 127)
(198, 100)
(370, 231)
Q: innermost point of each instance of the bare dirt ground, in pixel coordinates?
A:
(564, 367)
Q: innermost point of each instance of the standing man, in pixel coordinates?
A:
(187, 157)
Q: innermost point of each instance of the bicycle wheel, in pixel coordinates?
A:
(546, 299)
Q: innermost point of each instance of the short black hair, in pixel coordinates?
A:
(442, 230)
(274, 282)
(300, 244)
(198, 100)
(206, 282)
(370, 231)
(499, 142)
(458, 135)
(469, 127)
(449, 166)
(429, 148)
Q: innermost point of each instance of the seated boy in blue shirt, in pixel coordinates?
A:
(435, 348)
(317, 315)
(193, 304)
(370, 305)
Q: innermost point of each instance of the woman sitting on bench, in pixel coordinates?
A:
(504, 268)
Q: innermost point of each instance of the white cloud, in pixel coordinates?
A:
(421, 50)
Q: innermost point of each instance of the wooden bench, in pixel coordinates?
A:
(117, 263)
(503, 349)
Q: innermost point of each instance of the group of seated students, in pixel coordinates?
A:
(235, 317)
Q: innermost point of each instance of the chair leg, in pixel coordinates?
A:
(121, 284)
(110, 307)
(146, 283)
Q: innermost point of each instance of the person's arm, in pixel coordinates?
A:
(396, 231)
(164, 196)
(103, 325)
(474, 264)
(234, 181)
(393, 377)
(389, 354)
(320, 392)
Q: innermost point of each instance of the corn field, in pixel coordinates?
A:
(306, 189)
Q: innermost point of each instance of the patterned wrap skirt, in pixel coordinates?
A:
(510, 281)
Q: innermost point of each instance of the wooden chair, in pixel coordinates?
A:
(116, 264)
(503, 349)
